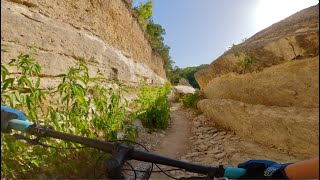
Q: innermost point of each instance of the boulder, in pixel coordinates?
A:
(183, 82)
(184, 89)
(137, 123)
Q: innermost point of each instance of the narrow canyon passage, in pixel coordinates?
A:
(195, 139)
(175, 143)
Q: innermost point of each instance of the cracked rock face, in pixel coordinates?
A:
(105, 35)
(290, 128)
(289, 84)
(274, 100)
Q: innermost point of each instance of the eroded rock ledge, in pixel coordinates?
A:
(295, 37)
(64, 32)
(275, 101)
(291, 128)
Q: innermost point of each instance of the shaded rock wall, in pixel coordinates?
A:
(275, 100)
(104, 33)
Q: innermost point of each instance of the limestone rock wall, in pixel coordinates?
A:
(293, 83)
(104, 33)
(290, 128)
(295, 37)
(275, 100)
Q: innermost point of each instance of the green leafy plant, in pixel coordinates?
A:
(3, 48)
(144, 13)
(246, 61)
(154, 107)
(191, 100)
(154, 32)
(81, 105)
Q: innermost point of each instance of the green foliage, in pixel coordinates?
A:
(80, 105)
(246, 61)
(155, 33)
(191, 100)
(154, 106)
(187, 73)
(144, 13)
(3, 48)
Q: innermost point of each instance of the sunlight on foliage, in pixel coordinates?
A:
(246, 61)
(191, 100)
(80, 105)
(154, 107)
(155, 33)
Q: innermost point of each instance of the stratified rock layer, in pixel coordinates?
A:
(274, 100)
(296, 37)
(291, 128)
(105, 35)
(293, 83)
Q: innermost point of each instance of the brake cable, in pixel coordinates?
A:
(36, 141)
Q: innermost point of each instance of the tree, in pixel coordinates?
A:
(188, 73)
(156, 37)
(155, 34)
(144, 13)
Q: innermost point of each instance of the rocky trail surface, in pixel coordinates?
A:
(194, 138)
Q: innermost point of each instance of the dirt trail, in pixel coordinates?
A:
(177, 139)
(195, 139)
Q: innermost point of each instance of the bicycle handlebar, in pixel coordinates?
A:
(19, 125)
(229, 172)
(233, 173)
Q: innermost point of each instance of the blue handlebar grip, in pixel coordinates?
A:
(234, 173)
(19, 125)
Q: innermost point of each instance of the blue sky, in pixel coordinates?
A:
(199, 31)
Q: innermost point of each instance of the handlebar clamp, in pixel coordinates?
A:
(217, 172)
(38, 130)
(114, 165)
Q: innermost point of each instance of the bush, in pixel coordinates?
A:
(85, 106)
(191, 100)
(154, 106)
(247, 61)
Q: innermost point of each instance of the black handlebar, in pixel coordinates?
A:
(121, 153)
